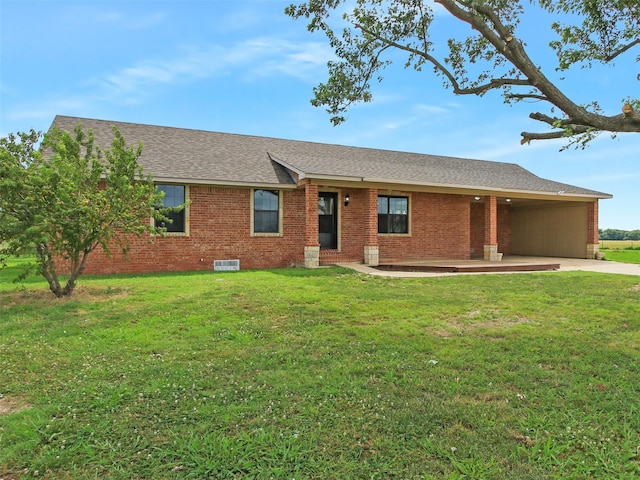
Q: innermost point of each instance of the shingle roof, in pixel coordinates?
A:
(196, 156)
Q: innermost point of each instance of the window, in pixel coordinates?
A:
(393, 214)
(266, 211)
(174, 196)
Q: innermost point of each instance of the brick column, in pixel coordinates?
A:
(371, 245)
(311, 238)
(593, 245)
(491, 229)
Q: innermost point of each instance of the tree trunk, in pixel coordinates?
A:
(47, 269)
(76, 270)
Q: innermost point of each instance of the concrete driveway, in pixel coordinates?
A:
(566, 264)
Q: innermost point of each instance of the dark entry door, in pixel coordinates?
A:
(328, 219)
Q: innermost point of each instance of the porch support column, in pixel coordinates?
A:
(311, 238)
(371, 245)
(491, 229)
(593, 244)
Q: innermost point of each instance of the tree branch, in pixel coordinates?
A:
(480, 89)
(513, 50)
(522, 96)
(565, 124)
(621, 50)
(541, 117)
(405, 26)
(528, 136)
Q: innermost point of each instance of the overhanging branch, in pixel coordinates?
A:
(478, 90)
(565, 128)
(524, 96)
(621, 50)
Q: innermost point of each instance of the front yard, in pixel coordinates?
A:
(322, 374)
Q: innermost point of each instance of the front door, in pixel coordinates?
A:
(328, 219)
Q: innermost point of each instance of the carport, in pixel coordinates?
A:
(560, 226)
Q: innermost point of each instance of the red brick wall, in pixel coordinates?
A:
(592, 223)
(441, 227)
(477, 228)
(219, 229)
(478, 231)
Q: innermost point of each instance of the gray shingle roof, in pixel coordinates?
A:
(196, 156)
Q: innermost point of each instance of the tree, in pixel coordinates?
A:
(612, 234)
(491, 57)
(632, 235)
(62, 201)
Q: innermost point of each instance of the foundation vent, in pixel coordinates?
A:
(226, 265)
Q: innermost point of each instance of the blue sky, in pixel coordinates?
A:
(242, 66)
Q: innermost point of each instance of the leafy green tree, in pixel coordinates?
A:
(374, 33)
(633, 235)
(63, 200)
(612, 234)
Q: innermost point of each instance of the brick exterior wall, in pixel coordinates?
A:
(442, 226)
(491, 220)
(593, 235)
(220, 228)
(311, 216)
(478, 230)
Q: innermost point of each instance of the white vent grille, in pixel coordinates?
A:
(226, 265)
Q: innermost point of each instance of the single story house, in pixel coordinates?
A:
(271, 202)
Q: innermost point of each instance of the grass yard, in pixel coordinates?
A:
(627, 251)
(322, 374)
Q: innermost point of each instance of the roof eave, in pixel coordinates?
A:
(224, 183)
(512, 191)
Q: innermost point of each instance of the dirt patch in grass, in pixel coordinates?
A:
(82, 294)
(9, 476)
(10, 405)
(475, 320)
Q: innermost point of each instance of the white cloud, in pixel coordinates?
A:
(249, 60)
(262, 57)
(302, 61)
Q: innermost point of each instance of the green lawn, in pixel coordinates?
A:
(322, 374)
(626, 251)
(626, 256)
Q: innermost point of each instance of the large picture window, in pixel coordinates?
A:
(393, 214)
(174, 196)
(266, 211)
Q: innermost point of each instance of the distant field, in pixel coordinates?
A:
(619, 244)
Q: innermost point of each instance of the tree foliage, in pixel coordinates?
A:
(491, 57)
(617, 234)
(63, 200)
